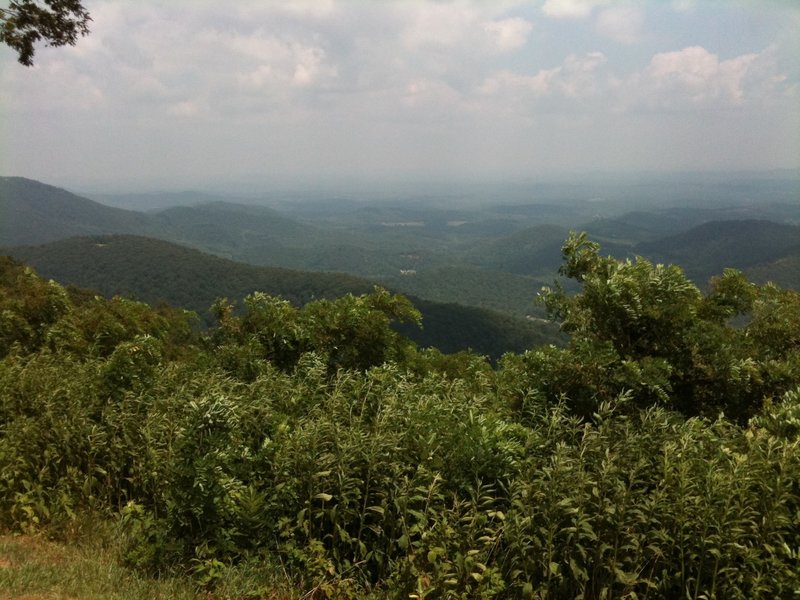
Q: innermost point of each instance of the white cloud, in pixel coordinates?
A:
(260, 77)
(622, 24)
(570, 9)
(199, 63)
(68, 89)
(186, 109)
(576, 81)
(410, 73)
(694, 78)
(507, 35)
(430, 95)
(683, 6)
(438, 25)
(310, 67)
(691, 79)
(465, 28)
(315, 9)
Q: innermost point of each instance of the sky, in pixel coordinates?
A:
(176, 94)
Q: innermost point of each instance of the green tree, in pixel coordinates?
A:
(646, 329)
(351, 332)
(57, 22)
(29, 307)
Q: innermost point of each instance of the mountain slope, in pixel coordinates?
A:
(651, 225)
(493, 290)
(155, 201)
(532, 251)
(784, 272)
(226, 228)
(155, 271)
(706, 250)
(33, 213)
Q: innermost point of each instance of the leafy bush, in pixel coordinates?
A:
(353, 332)
(647, 329)
(317, 443)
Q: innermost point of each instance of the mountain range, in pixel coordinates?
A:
(473, 270)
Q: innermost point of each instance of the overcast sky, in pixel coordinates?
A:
(189, 94)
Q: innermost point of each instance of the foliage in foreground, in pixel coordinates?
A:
(317, 443)
(647, 329)
(32, 566)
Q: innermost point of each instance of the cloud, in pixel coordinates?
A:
(570, 9)
(436, 98)
(622, 24)
(574, 82)
(311, 66)
(438, 25)
(683, 6)
(695, 78)
(69, 90)
(315, 9)
(463, 27)
(508, 35)
(256, 57)
(415, 75)
(692, 79)
(144, 60)
(186, 109)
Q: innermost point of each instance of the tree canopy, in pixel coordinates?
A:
(57, 22)
(647, 330)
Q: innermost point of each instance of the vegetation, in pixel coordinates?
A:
(154, 271)
(35, 213)
(314, 451)
(493, 290)
(646, 328)
(86, 566)
(479, 255)
(26, 22)
(784, 272)
(708, 248)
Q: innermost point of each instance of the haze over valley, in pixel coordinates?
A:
(456, 249)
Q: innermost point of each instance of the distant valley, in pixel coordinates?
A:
(489, 258)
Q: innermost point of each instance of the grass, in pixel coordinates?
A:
(83, 564)
(33, 567)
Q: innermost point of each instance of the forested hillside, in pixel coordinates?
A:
(33, 213)
(783, 271)
(155, 271)
(649, 225)
(487, 255)
(315, 452)
(709, 248)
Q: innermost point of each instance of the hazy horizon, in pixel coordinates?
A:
(396, 188)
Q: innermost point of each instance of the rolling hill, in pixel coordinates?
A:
(532, 251)
(157, 271)
(491, 256)
(34, 213)
(784, 272)
(709, 248)
(493, 290)
(229, 229)
(648, 226)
